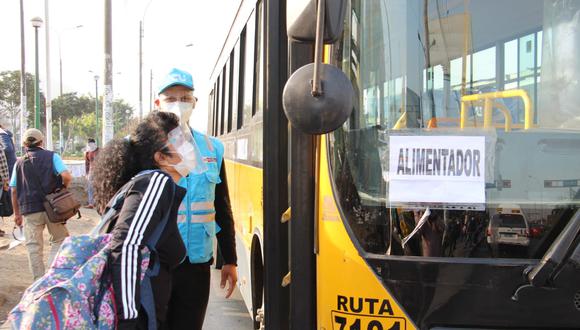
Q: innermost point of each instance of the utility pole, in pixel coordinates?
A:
(108, 129)
(48, 92)
(36, 23)
(97, 108)
(23, 109)
(150, 89)
(60, 52)
(141, 35)
(61, 146)
(140, 69)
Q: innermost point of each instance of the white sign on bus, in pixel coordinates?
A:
(439, 162)
(436, 169)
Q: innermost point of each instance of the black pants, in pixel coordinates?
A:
(162, 286)
(189, 296)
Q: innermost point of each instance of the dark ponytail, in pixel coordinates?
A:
(122, 159)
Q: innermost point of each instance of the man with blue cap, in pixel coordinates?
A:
(205, 212)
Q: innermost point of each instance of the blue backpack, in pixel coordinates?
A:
(76, 292)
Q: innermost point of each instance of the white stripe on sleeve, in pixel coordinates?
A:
(138, 235)
(128, 265)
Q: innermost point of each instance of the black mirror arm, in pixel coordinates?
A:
(316, 86)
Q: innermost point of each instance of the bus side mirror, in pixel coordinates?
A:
(301, 20)
(323, 113)
(317, 98)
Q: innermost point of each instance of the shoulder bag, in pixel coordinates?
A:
(60, 205)
(5, 203)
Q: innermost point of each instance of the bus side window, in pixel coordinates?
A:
(223, 110)
(212, 112)
(233, 123)
(248, 70)
(259, 55)
(218, 117)
(240, 74)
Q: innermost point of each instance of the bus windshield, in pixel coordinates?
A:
(460, 106)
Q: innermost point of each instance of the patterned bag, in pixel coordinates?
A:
(77, 292)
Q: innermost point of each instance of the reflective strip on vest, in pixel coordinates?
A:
(182, 207)
(196, 218)
(201, 206)
(209, 144)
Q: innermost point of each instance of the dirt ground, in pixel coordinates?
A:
(15, 276)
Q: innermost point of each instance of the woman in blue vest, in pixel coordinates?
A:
(146, 165)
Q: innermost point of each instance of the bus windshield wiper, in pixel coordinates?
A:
(539, 275)
(556, 255)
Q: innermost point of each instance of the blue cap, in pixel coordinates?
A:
(176, 77)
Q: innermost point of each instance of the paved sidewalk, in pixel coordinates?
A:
(225, 313)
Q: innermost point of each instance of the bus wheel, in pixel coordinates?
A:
(257, 265)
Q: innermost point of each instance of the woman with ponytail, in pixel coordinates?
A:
(145, 168)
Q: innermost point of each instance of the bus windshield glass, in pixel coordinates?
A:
(460, 106)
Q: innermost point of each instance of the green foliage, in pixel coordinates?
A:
(122, 113)
(78, 119)
(10, 96)
(70, 105)
(77, 113)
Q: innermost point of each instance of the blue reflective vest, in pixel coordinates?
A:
(196, 215)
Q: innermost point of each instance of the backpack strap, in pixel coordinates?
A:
(114, 206)
(147, 299)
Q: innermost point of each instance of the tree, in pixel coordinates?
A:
(76, 112)
(10, 96)
(69, 108)
(70, 105)
(78, 117)
(122, 113)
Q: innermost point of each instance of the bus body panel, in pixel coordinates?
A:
(245, 185)
(348, 291)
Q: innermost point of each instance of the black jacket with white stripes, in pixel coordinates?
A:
(147, 199)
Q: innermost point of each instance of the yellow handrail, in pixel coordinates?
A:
(401, 122)
(489, 98)
(506, 114)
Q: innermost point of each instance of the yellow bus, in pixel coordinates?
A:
(368, 205)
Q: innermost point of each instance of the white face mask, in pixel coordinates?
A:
(182, 109)
(92, 146)
(181, 168)
(187, 149)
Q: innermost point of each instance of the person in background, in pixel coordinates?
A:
(7, 145)
(4, 178)
(36, 173)
(149, 195)
(90, 156)
(4, 171)
(204, 212)
(9, 154)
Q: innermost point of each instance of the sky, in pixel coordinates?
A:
(186, 34)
